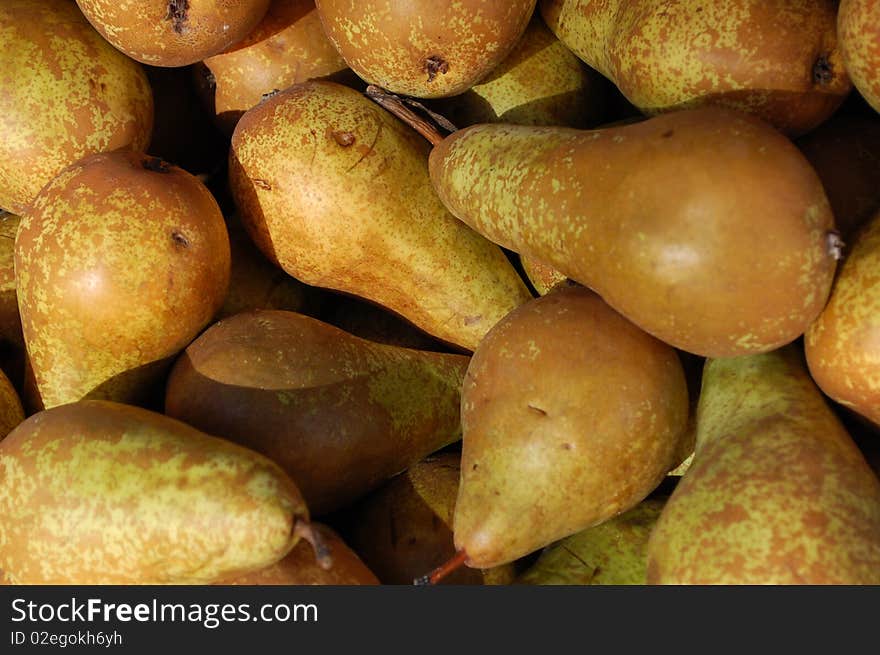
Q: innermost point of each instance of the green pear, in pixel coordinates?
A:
(570, 415)
(776, 60)
(858, 24)
(335, 190)
(778, 492)
(653, 216)
(404, 529)
(611, 553)
(338, 413)
(97, 492)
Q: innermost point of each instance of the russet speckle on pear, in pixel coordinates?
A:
(570, 415)
(858, 22)
(777, 59)
(424, 48)
(778, 492)
(173, 32)
(340, 414)
(64, 93)
(120, 262)
(336, 190)
(706, 227)
(96, 492)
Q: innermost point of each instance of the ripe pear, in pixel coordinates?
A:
(858, 25)
(843, 344)
(121, 261)
(424, 48)
(543, 277)
(654, 217)
(615, 552)
(778, 492)
(404, 529)
(64, 93)
(287, 47)
(97, 492)
(338, 413)
(570, 415)
(173, 32)
(335, 190)
(541, 82)
(299, 567)
(777, 59)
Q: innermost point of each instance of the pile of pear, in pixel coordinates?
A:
(337, 292)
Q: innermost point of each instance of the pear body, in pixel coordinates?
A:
(570, 415)
(336, 190)
(655, 218)
(778, 492)
(858, 24)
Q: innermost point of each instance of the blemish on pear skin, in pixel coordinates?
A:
(537, 410)
(823, 71)
(179, 239)
(435, 64)
(263, 184)
(156, 164)
(345, 139)
(177, 14)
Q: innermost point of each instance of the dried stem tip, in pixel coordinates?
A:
(443, 570)
(307, 531)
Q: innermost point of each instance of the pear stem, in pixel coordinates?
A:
(443, 570)
(402, 108)
(305, 530)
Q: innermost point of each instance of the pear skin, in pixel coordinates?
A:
(778, 492)
(338, 413)
(404, 529)
(570, 415)
(777, 60)
(655, 218)
(96, 492)
(843, 344)
(543, 277)
(120, 262)
(858, 24)
(11, 409)
(335, 190)
(615, 552)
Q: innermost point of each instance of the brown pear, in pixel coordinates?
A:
(121, 261)
(404, 529)
(843, 344)
(97, 492)
(336, 190)
(570, 415)
(778, 492)
(338, 413)
(542, 276)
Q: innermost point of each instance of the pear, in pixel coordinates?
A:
(858, 25)
(97, 492)
(404, 529)
(424, 48)
(11, 410)
(570, 415)
(611, 553)
(541, 82)
(335, 190)
(843, 344)
(655, 217)
(778, 492)
(543, 277)
(64, 93)
(300, 568)
(339, 414)
(777, 60)
(121, 261)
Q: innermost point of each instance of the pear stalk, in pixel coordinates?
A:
(435, 576)
(303, 529)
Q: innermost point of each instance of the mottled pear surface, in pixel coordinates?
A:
(287, 47)
(336, 190)
(121, 261)
(858, 24)
(64, 93)
(97, 492)
(707, 228)
(541, 82)
(543, 277)
(424, 48)
(570, 415)
(299, 567)
(173, 32)
(843, 345)
(404, 529)
(778, 492)
(777, 59)
(615, 552)
(338, 413)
